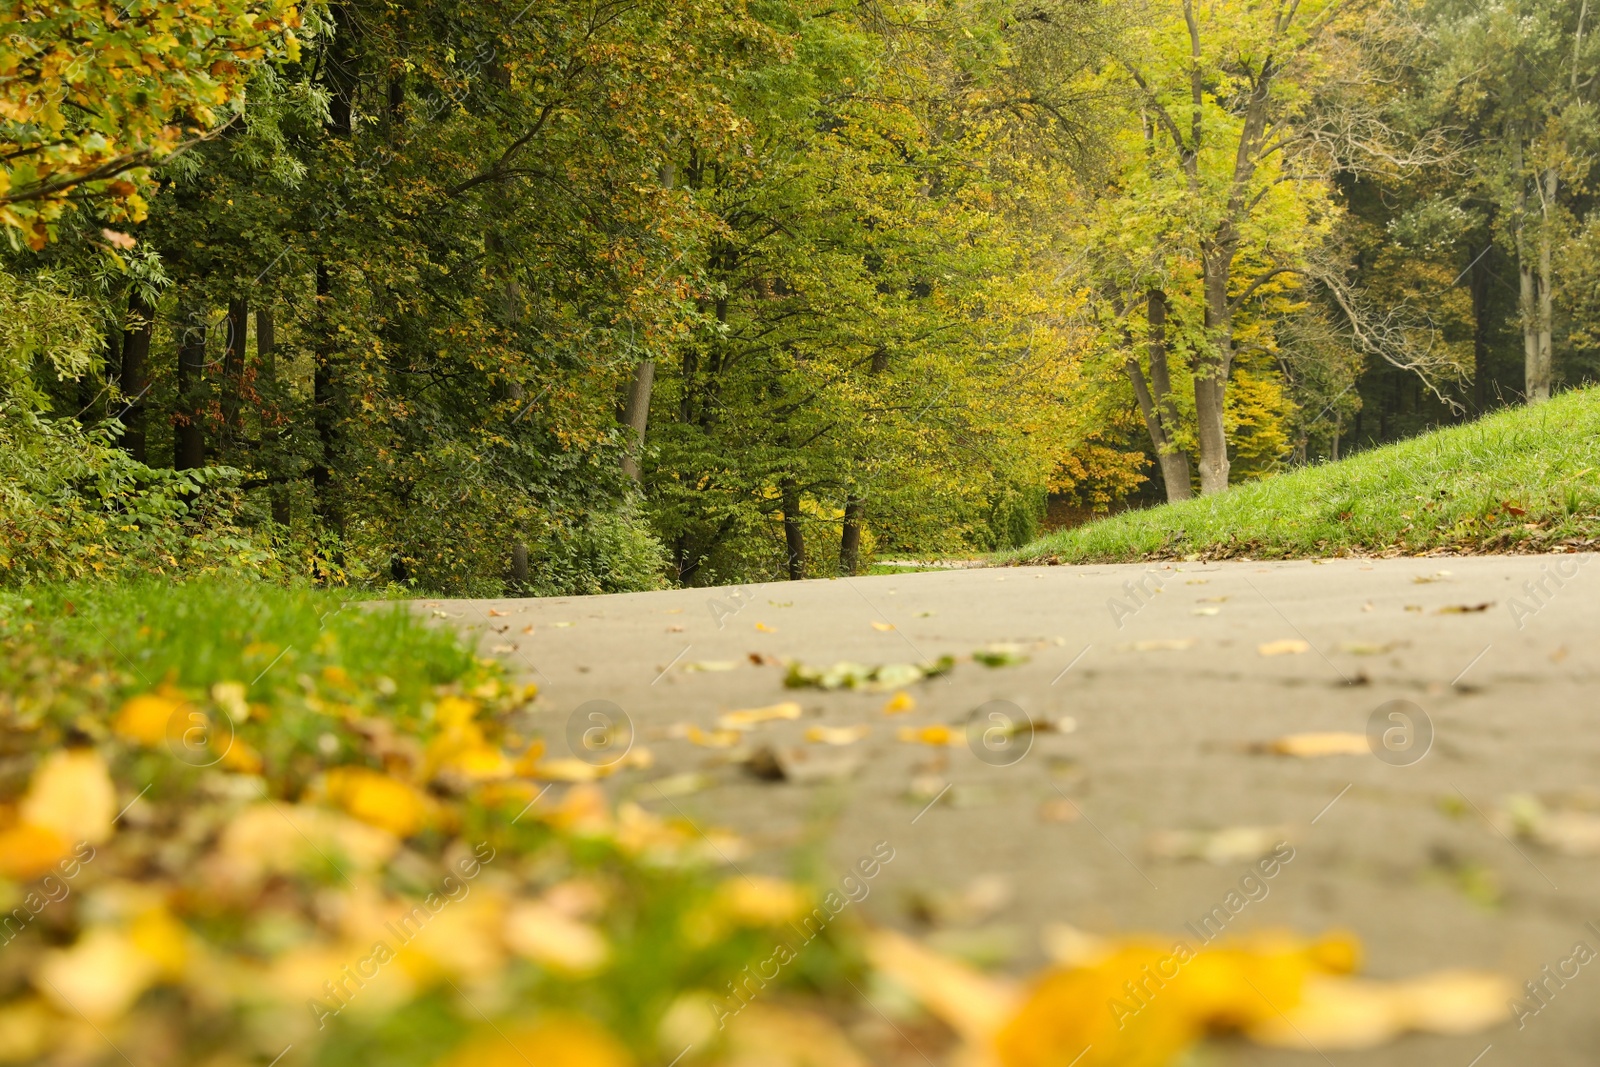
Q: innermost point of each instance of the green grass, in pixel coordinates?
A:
(1523, 480)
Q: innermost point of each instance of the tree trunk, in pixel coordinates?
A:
(267, 360)
(1211, 372)
(188, 409)
(322, 399)
(1156, 404)
(793, 536)
(850, 536)
(636, 414)
(233, 367)
(1542, 376)
(134, 380)
(1479, 288)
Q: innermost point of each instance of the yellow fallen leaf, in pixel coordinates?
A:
(1310, 745)
(761, 901)
(883, 627)
(900, 703)
(764, 628)
(240, 757)
(568, 770)
(144, 718)
(71, 794)
(1205, 611)
(837, 735)
(100, 976)
(550, 1043)
(1288, 646)
(28, 851)
(549, 937)
(973, 1004)
(710, 666)
(748, 717)
(1353, 1013)
(378, 800)
(769, 1035)
(707, 738)
(928, 735)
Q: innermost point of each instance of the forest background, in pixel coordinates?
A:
(564, 297)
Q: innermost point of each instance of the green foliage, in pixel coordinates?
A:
(1519, 480)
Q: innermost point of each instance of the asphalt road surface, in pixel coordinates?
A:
(1155, 693)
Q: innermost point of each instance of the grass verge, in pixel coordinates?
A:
(1522, 480)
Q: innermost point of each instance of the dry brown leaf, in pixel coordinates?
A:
(1465, 609)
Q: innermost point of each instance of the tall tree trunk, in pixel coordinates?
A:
(322, 400)
(850, 535)
(233, 367)
(1542, 378)
(636, 413)
(793, 536)
(1211, 372)
(1479, 288)
(134, 380)
(267, 359)
(1528, 285)
(1156, 402)
(188, 423)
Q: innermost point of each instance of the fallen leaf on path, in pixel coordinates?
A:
(1206, 611)
(899, 704)
(1426, 579)
(1000, 655)
(764, 628)
(679, 785)
(1058, 809)
(848, 675)
(1354, 1013)
(1368, 648)
(1568, 831)
(746, 718)
(498, 614)
(501, 650)
(1233, 844)
(562, 625)
(838, 735)
(883, 627)
(1465, 609)
(528, 629)
(1172, 644)
(675, 628)
(709, 666)
(1288, 646)
(706, 738)
(1311, 745)
(928, 735)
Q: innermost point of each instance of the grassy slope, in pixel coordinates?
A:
(1526, 479)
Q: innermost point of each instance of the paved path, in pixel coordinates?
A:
(1159, 673)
